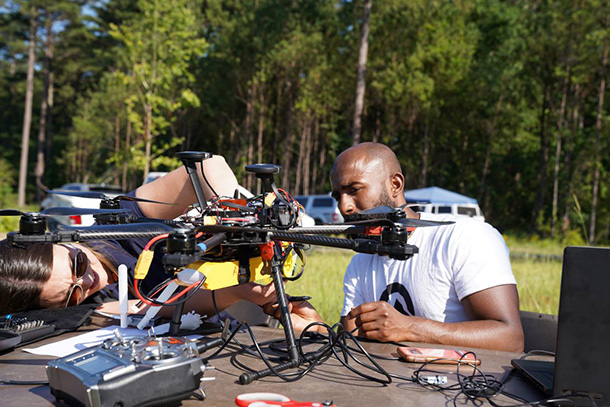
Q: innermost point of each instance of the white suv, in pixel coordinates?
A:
(58, 200)
(323, 208)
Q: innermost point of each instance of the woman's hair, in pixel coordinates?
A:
(25, 270)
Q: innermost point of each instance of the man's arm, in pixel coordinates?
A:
(494, 313)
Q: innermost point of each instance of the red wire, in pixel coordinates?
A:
(174, 298)
(140, 296)
(155, 240)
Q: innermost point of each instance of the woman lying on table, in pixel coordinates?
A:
(48, 275)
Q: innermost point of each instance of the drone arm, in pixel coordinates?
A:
(400, 252)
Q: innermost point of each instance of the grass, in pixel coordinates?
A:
(323, 281)
(538, 283)
(538, 279)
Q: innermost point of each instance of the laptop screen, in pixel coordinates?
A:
(583, 334)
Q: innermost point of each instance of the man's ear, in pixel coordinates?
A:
(397, 184)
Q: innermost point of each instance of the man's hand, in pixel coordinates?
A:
(379, 321)
(302, 313)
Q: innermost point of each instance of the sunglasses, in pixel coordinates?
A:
(80, 265)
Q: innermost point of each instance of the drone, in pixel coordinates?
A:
(227, 241)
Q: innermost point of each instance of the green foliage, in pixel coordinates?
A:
(573, 238)
(8, 198)
(159, 44)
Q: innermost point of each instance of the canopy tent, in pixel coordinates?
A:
(436, 195)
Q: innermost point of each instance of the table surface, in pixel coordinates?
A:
(328, 381)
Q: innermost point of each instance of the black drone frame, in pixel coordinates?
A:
(276, 223)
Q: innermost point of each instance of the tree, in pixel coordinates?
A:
(27, 113)
(52, 13)
(158, 47)
(603, 35)
(361, 81)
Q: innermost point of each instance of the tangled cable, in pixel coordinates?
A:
(332, 344)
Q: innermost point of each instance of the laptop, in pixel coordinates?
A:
(582, 355)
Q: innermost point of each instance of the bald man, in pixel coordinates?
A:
(458, 290)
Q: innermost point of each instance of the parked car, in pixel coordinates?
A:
(58, 200)
(153, 176)
(322, 208)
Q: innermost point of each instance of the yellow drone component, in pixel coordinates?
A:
(227, 273)
(210, 220)
(143, 264)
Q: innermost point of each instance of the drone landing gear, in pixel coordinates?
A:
(291, 346)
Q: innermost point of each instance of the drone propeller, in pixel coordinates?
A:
(407, 222)
(385, 215)
(99, 195)
(59, 211)
(11, 212)
(379, 210)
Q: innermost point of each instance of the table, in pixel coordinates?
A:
(330, 381)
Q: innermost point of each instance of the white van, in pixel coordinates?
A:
(464, 209)
(441, 201)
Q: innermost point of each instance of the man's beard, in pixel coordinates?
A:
(384, 200)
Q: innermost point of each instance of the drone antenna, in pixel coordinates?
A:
(190, 160)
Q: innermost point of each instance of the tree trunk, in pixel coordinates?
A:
(309, 150)
(567, 158)
(261, 126)
(377, 133)
(27, 114)
(558, 149)
(126, 158)
(290, 135)
(490, 140)
(249, 181)
(543, 159)
(147, 139)
(361, 76)
(277, 135)
(45, 112)
(117, 142)
(301, 155)
(315, 152)
(598, 128)
(424, 156)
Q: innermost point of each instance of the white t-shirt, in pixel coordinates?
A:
(453, 262)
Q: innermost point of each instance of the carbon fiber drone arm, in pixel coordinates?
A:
(399, 251)
(112, 232)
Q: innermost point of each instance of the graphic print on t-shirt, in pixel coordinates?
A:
(401, 297)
